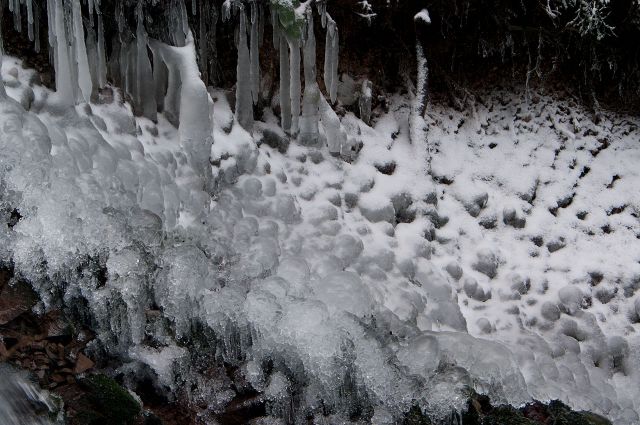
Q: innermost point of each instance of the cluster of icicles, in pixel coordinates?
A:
(77, 51)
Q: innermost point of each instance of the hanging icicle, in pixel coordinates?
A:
(285, 90)
(83, 73)
(255, 53)
(101, 64)
(244, 107)
(296, 85)
(30, 19)
(331, 53)
(143, 86)
(309, 120)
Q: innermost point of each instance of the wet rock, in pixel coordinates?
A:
(454, 270)
(16, 298)
(550, 311)
(556, 245)
(83, 363)
(512, 218)
(477, 204)
(105, 402)
(487, 263)
(274, 140)
(376, 212)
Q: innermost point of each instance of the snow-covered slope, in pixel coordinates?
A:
(340, 288)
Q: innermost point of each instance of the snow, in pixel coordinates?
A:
(512, 270)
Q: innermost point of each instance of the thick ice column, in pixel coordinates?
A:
(244, 105)
(336, 135)
(195, 127)
(310, 115)
(84, 76)
(295, 87)
(64, 82)
(285, 90)
(331, 52)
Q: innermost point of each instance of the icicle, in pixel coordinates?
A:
(255, 55)
(194, 7)
(295, 87)
(17, 18)
(160, 79)
(120, 16)
(101, 59)
(276, 28)
(144, 89)
(84, 76)
(309, 121)
(3, 92)
(203, 45)
(331, 60)
(90, 7)
(36, 25)
(226, 10)
(244, 108)
(92, 55)
(51, 37)
(364, 103)
(336, 135)
(322, 10)
(285, 91)
(30, 19)
(63, 71)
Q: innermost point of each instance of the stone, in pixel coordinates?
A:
(274, 140)
(16, 298)
(454, 270)
(487, 263)
(550, 311)
(512, 218)
(83, 363)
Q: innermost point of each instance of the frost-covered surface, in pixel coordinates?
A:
(340, 288)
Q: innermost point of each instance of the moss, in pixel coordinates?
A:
(290, 23)
(563, 415)
(506, 415)
(109, 403)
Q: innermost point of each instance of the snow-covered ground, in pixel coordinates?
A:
(365, 286)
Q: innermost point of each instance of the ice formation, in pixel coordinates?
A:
(337, 289)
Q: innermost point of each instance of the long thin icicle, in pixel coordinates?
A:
(296, 86)
(331, 53)
(83, 73)
(285, 90)
(255, 54)
(244, 106)
(310, 116)
(144, 90)
(64, 86)
(102, 57)
(30, 19)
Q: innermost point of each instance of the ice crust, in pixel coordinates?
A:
(339, 284)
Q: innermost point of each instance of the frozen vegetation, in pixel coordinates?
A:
(354, 273)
